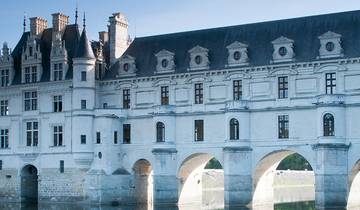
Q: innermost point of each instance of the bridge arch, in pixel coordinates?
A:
(191, 183)
(265, 173)
(29, 184)
(143, 181)
(354, 185)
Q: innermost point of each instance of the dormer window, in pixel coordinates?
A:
(283, 50)
(199, 58)
(6, 66)
(237, 54)
(165, 62)
(4, 77)
(127, 66)
(330, 45)
(58, 71)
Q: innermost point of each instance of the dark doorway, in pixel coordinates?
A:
(29, 184)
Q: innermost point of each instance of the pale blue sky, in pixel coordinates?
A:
(149, 17)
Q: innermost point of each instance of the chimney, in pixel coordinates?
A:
(60, 21)
(103, 36)
(37, 25)
(118, 36)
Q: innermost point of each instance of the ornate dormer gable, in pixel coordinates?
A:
(330, 45)
(127, 66)
(283, 50)
(199, 58)
(6, 66)
(165, 62)
(59, 56)
(31, 60)
(238, 55)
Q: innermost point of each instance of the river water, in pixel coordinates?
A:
(16, 206)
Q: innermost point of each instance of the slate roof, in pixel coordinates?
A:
(84, 49)
(258, 36)
(71, 38)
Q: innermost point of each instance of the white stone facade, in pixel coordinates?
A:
(100, 167)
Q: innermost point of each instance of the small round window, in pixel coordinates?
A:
(237, 55)
(126, 67)
(282, 51)
(198, 59)
(164, 63)
(330, 46)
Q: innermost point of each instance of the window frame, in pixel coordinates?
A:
(330, 83)
(234, 129)
(237, 90)
(283, 87)
(4, 78)
(126, 133)
(61, 166)
(283, 126)
(199, 93)
(164, 95)
(199, 131)
(32, 133)
(4, 138)
(83, 76)
(82, 139)
(98, 137)
(83, 104)
(58, 136)
(328, 125)
(30, 100)
(160, 132)
(57, 103)
(4, 107)
(126, 98)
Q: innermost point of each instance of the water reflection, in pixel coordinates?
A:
(28, 206)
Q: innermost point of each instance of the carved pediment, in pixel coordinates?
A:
(330, 45)
(283, 50)
(282, 40)
(165, 61)
(199, 58)
(238, 54)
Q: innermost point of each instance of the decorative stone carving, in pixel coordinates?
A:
(237, 54)
(330, 45)
(165, 62)
(31, 60)
(6, 65)
(283, 50)
(127, 66)
(199, 58)
(58, 58)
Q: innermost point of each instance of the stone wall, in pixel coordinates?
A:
(9, 185)
(61, 187)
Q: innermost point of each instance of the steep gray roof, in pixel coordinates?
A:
(258, 36)
(84, 49)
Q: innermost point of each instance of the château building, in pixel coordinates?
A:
(102, 121)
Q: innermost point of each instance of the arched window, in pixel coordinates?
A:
(234, 129)
(160, 132)
(328, 124)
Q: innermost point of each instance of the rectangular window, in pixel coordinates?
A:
(58, 103)
(283, 124)
(83, 139)
(199, 130)
(164, 95)
(58, 71)
(199, 93)
(83, 104)
(4, 107)
(98, 137)
(4, 138)
(330, 83)
(1, 164)
(115, 137)
(126, 98)
(4, 80)
(32, 132)
(27, 75)
(83, 76)
(58, 136)
(237, 90)
(33, 74)
(126, 133)
(105, 105)
(62, 166)
(283, 87)
(30, 100)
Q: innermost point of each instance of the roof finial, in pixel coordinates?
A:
(84, 20)
(76, 13)
(24, 23)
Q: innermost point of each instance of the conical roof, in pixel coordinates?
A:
(84, 49)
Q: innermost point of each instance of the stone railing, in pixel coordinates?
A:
(330, 99)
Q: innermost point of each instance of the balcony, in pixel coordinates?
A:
(236, 105)
(329, 99)
(116, 112)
